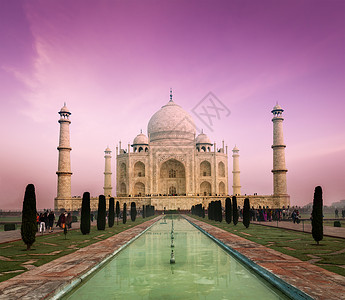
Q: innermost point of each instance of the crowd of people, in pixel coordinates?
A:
(46, 219)
(263, 214)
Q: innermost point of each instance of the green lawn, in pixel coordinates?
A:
(14, 256)
(330, 254)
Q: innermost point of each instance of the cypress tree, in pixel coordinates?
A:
(213, 210)
(210, 211)
(317, 217)
(101, 213)
(133, 211)
(228, 210)
(111, 214)
(234, 210)
(124, 217)
(85, 222)
(246, 212)
(144, 215)
(29, 222)
(218, 211)
(117, 211)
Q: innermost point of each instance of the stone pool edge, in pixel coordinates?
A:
(47, 280)
(63, 291)
(286, 288)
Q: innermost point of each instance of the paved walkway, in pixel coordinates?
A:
(311, 279)
(42, 282)
(338, 232)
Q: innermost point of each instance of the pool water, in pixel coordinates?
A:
(202, 270)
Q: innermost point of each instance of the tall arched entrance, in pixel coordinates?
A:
(172, 179)
(205, 189)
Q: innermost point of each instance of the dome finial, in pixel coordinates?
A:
(171, 96)
(141, 131)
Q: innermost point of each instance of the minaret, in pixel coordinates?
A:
(107, 173)
(64, 167)
(236, 187)
(279, 168)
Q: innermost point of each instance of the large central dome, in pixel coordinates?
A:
(171, 122)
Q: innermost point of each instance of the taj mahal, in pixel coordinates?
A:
(172, 167)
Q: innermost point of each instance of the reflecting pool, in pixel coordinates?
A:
(202, 270)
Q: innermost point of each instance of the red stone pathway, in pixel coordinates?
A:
(311, 279)
(43, 281)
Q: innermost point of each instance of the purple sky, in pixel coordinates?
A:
(114, 62)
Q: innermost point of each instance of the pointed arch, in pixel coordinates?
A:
(139, 189)
(205, 188)
(205, 168)
(139, 169)
(221, 188)
(221, 169)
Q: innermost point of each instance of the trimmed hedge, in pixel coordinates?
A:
(317, 215)
(101, 213)
(85, 218)
(111, 214)
(29, 222)
(12, 226)
(337, 224)
(246, 213)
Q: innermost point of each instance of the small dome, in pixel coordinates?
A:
(277, 107)
(202, 138)
(235, 149)
(64, 109)
(141, 139)
(107, 149)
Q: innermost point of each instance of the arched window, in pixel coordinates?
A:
(123, 170)
(139, 169)
(221, 188)
(172, 173)
(123, 189)
(221, 169)
(205, 168)
(139, 189)
(205, 188)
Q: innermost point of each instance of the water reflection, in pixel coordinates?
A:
(202, 270)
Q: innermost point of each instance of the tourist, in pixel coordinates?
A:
(38, 221)
(63, 220)
(293, 216)
(42, 223)
(46, 213)
(51, 218)
(336, 213)
(69, 220)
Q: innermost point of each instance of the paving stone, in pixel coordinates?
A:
(5, 258)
